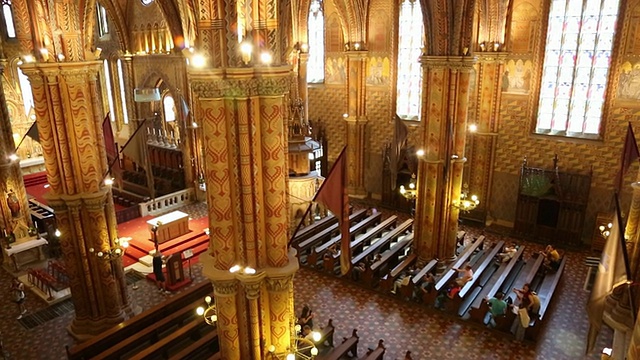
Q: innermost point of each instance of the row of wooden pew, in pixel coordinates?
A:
(170, 330)
(371, 235)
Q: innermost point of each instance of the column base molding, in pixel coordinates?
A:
(83, 330)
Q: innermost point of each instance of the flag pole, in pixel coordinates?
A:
(625, 255)
(124, 146)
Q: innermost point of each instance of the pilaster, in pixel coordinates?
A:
(69, 121)
(444, 114)
(356, 121)
(481, 146)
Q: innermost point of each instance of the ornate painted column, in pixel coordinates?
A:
(242, 113)
(356, 121)
(69, 122)
(481, 145)
(11, 182)
(444, 114)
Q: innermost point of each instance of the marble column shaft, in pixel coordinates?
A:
(444, 122)
(69, 121)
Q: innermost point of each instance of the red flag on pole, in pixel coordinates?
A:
(333, 195)
(630, 154)
(110, 147)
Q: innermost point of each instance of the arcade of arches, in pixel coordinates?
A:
(220, 90)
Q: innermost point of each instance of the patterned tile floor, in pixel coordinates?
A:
(404, 326)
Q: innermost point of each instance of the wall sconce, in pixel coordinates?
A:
(304, 48)
(246, 270)
(411, 193)
(113, 253)
(266, 58)
(483, 46)
(605, 231)
(210, 314)
(496, 46)
(45, 54)
(466, 203)
(245, 49)
(198, 61)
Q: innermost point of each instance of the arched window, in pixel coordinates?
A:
(109, 88)
(410, 44)
(576, 66)
(315, 65)
(123, 93)
(25, 89)
(103, 25)
(169, 106)
(7, 13)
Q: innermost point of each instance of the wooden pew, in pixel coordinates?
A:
(479, 307)
(349, 347)
(381, 245)
(357, 229)
(311, 229)
(128, 328)
(471, 289)
(209, 340)
(386, 284)
(545, 293)
(358, 244)
(527, 274)
(150, 333)
(307, 245)
(407, 291)
(449, 273)
(377, 353)
(326, 334)
(162, 347)
(390, 258)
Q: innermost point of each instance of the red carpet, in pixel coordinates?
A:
(141, 243)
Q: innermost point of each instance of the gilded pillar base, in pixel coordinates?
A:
(255, 309)
(356, 128)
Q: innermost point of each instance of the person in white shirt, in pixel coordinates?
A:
(466, 275)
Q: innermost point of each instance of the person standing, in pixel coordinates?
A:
(497, 307)
(161, 281)
(17, 289)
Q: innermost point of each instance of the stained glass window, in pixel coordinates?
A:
(410, 44)
(103, 25)
(107, 84)
(315, 64)
(169, 108)
(123, 94)
(7, 13)
(576, 66)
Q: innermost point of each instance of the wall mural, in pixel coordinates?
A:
(517, 76)
(335, 71)
(378, 71)
(629, 85)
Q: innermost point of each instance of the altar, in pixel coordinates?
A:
(169, 226)
(25, 252)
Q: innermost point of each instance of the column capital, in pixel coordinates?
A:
(460, 63)
(489, 57)
(225, 287)
(252, 283)
(279, 284)
(357, 55)
(62, 68)
(241, 82)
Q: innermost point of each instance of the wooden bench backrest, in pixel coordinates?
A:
(545, 299)
(355, 229)
(529, 272)
(388, 237)
(377, 353)
(425, 270)
(308, 231)
(393, 252)
(466, 254)
(403, 266)
(505, 273)
(376, 231)
(170, 340)
(341, 350)
(204, 341)
(147, 318)
(145, 334)
(480, 269)
(358, 215)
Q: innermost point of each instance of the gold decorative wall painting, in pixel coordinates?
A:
(524, 27)
(378, 71)
(629, 83)
(517, 76)
(335, 71)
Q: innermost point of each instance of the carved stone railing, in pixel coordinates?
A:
(167, 203)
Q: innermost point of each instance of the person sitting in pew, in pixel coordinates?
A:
(508, 253)
(551, 258)
(425, 286)
(497, 307)
(402, 280)
(535, 305)
(466, 275)
(376, 258)
(525, 296)
(306, 318)
(447, 294)
(330, 252)
(307, 333)
(356, 272)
